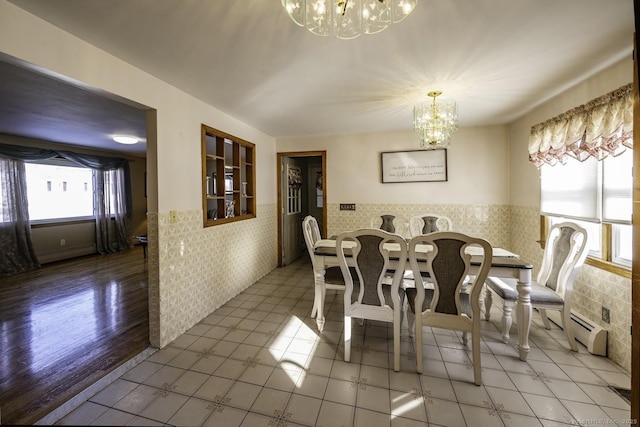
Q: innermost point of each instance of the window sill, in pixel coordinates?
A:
(60, 221)
(609, 266)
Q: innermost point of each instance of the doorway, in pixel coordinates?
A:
(301, 192)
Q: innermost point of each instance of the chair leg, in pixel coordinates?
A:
(411, 321)
(396, 341)
(567, 326)
(318, 302)
(347, 338)
(314, 309)
(507, 308)
(418, 340)
(545, 318)
(477, 369)
(487, 302)
(465, 339)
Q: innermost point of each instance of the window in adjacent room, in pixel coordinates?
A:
(57, 191)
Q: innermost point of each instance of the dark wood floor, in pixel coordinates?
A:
(66, 325)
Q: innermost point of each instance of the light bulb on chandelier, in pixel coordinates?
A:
(347, 19)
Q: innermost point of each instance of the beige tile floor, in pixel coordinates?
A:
(260, 361)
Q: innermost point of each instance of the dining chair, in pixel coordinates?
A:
(564, 253)
(446, 302)
(333, 278)
(391, 223)
(428, 223)
(379, 296)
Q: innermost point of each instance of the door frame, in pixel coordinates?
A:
(280, 157)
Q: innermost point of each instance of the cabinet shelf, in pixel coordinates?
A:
(228, 178)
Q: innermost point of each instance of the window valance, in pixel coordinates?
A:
(27, 154)
(601, 127)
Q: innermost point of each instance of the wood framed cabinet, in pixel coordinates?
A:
(228, 177)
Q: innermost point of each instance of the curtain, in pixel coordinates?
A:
(110, 211)
(602, 127)
(112, 189)
(16, 246)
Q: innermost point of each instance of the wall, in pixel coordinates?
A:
(593, 287)
(475, 196)
(192, 270)
(476, 158)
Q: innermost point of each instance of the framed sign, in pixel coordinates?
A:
(414, 166)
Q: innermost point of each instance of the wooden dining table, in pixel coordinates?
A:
(503, 264)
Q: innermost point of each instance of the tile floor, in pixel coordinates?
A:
(260, 361)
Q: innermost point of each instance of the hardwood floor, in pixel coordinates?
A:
(66, 325)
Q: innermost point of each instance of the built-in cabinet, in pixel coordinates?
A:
(228, 177)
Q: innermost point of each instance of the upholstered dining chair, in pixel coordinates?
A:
(333, 278)
(564, 253)
(391, 223)
(448, 302)
(376, 298)
(428, 223)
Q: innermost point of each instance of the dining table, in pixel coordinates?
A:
(504, 264)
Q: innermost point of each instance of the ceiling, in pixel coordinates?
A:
(497, 59)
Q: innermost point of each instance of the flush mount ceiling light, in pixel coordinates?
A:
(347, 19)
(435, 122)
(123, 139)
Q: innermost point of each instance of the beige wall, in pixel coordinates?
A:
(186, 279)
(477, 159)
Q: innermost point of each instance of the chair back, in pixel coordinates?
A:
(428, 223)
(370, 254)
(391, 223)
(311, 233)
(564, 254)
(448, 265)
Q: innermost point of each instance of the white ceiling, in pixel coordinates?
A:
(496, 58)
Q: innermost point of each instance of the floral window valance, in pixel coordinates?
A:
(601, 127)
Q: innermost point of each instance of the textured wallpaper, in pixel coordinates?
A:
(202, 268)
(517, 229)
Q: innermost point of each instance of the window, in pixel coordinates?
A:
(57, 191)
(598, 196)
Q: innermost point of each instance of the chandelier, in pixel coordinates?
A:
(435, 122)
(347, 19)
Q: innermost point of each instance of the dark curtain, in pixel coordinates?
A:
(15, 232)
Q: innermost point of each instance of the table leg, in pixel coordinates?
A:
(318, 303)
(523, 313)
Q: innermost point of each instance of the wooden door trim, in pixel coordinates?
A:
(635, 271)
(280, 156)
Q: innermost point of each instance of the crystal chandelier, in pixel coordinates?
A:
(347, 19)
(435, 122)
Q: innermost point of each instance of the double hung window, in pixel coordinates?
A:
(598, 196)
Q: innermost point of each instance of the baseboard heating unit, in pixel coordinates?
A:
(592, 336)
